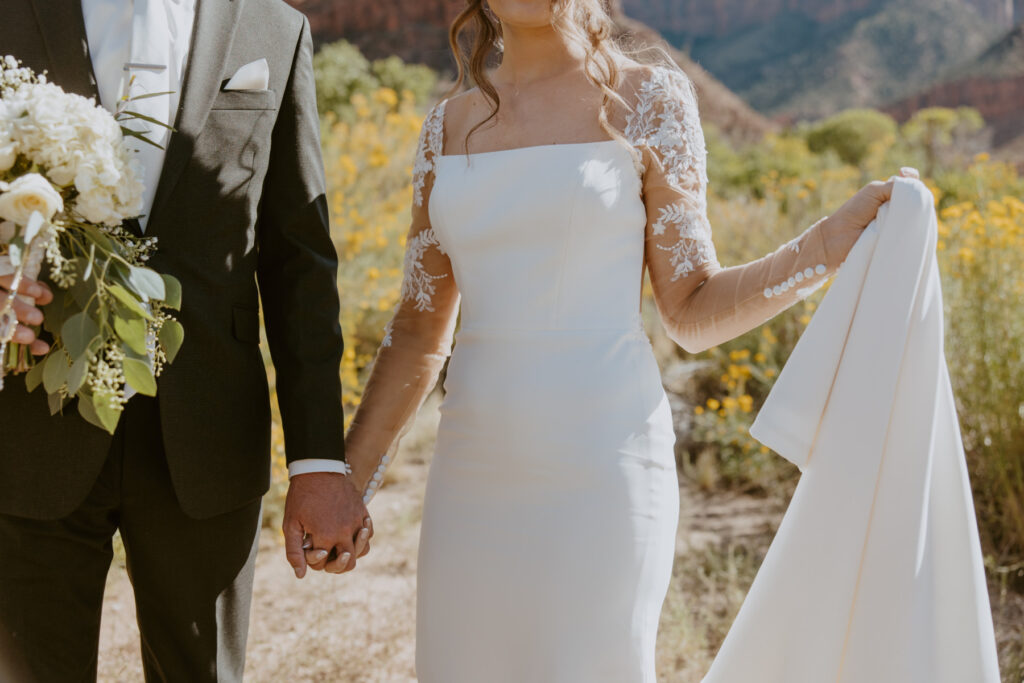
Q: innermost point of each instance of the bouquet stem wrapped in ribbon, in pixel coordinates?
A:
(68, 181)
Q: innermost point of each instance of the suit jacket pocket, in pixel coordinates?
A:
(246, 324)
(245, 99)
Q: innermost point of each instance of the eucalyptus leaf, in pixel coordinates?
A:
(77, 333)
(132, 303)
(172, 298)
(99, 238)
(76, 377)
(172, 334)
(140, 376)
(132, 332)
(57, 403)
(55, 371)
(83, 291)
(56, 312)
(88, 412)
(108, 415)
(34, 377)
(129, 352)
(147, 283)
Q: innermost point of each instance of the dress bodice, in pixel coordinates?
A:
(547, 237)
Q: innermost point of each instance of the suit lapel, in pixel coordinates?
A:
(212, 36)
(67, 48)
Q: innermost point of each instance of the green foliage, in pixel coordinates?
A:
(342, 72)
(747, 171)
(853, 134)
(110, 323)
(939, 132)
(417, 79)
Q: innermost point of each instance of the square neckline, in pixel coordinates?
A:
(442, 106)
(529, 147)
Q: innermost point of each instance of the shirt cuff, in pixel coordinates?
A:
(310, 465)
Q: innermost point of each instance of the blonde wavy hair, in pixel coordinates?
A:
(585, 23)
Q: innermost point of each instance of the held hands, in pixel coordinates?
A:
(845, 225)
(326, 525)
(27, 313)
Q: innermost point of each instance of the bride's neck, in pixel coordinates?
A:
(534, 54)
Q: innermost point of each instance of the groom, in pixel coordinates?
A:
(236, 200)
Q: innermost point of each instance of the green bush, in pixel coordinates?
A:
(342, 72)
(853, 134)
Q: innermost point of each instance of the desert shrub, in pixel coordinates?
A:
(853, 134)
(342, 73)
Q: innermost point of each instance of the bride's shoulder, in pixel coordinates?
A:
(463, 106)
(655, 85)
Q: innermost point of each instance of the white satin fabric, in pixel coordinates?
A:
(876, 573)
(549, 523)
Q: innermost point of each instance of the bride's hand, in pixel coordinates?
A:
(844, 226)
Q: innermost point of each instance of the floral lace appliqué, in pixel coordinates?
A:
(417, 284)
(666, 120)
(429, 147)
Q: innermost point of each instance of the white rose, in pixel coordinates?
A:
(29, 193)
(8, 154)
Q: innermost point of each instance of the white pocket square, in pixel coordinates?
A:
(252, 76)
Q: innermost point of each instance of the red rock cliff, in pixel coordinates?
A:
(1000, 101)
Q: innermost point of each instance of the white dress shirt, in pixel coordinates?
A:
(108, 28)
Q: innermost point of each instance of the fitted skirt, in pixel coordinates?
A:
(551, 511)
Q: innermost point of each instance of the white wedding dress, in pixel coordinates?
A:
(549, 525)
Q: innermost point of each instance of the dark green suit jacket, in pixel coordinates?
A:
(241, 218)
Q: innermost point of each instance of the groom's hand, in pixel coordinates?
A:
(328, 509)
(27, 313)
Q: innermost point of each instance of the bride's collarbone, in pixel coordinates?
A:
(522, 124)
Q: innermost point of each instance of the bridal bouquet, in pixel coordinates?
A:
(67, 182)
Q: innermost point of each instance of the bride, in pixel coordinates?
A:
(540, 198)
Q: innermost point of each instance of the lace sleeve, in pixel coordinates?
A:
(418, 338)
(701, 303)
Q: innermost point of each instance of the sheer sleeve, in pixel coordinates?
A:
(418, 338)
(701, 303)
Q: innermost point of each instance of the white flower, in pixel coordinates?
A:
(8, 155)
(26, 194)
(78, 143)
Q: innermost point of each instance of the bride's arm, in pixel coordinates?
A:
(417, 340)
(701, 303)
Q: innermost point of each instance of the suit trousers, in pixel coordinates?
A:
(192, 577)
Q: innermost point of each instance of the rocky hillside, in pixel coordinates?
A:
(993, 83)
(702, 18)
(416, 30)
(808, 58)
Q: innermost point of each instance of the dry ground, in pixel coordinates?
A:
(359, 628)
